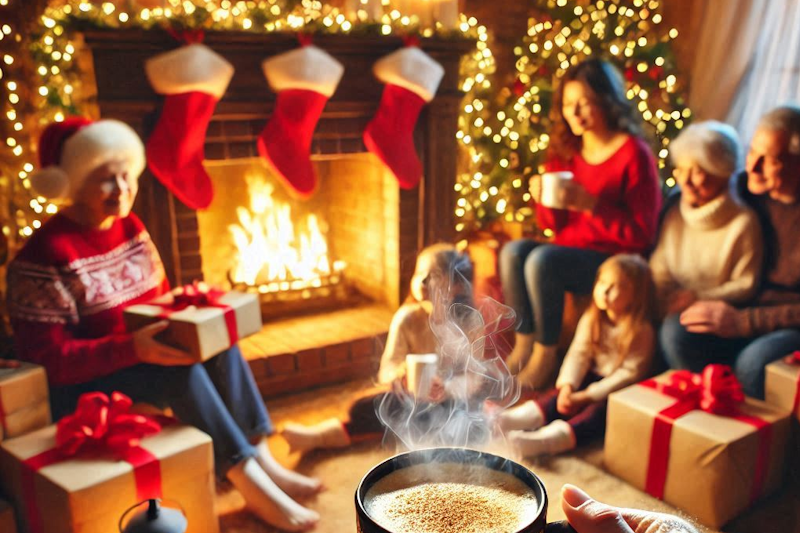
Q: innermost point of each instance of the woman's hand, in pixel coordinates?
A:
(150, 351)
(564, 401)
(586, 515)
(575, 197)
(535, 188)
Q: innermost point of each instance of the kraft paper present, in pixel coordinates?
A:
(24, 400)
(7, 522)
(201, 331)
(712, 459)
(90, 495)
(781, 386)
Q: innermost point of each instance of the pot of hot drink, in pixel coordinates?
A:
(451, 490)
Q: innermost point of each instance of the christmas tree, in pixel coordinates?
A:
(507, 140)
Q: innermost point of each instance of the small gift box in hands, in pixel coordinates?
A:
(203, 321)
(783, 384)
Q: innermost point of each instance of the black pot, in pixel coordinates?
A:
(539, 524)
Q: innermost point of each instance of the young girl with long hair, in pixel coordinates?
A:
(612, 348)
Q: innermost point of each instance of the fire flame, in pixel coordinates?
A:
(274, 252)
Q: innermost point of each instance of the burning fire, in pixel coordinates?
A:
(275, 253)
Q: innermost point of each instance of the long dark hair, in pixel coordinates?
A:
(607, 84)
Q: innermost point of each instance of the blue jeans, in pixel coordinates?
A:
(219, 397)
(535, 277)
(748, 356)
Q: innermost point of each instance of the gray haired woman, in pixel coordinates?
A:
(710, 245)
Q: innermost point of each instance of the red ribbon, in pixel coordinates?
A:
(187, 36)
(99, 427)
(717, 391)
(794, 359)
(199, 294)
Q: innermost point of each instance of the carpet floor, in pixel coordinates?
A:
(341, 471)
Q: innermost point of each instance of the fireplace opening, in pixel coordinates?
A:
(336, 249)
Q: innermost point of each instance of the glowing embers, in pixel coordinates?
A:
(283, 256)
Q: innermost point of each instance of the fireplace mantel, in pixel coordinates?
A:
(426, 213)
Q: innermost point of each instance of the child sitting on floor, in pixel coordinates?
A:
(612, 348)
(441, 273)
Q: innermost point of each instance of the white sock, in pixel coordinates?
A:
(292, 483)
(519, 356)
(329, 433)
(267, 501)
(526, 415)
(540, 368)
(555, 437)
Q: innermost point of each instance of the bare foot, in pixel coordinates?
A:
(292, 483)
(267, 501)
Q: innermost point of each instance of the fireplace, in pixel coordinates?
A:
(322, 323)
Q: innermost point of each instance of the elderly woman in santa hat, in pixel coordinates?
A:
(68, 287)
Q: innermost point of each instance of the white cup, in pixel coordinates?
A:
(553, 183)
(420, 371)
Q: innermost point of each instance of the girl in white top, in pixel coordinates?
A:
(613, 348)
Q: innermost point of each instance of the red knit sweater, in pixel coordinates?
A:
(67, 288)
(628, 202)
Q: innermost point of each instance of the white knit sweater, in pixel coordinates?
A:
(714, 251)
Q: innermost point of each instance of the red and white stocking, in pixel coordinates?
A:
(304, 79)
(411, 77)
(193, 78)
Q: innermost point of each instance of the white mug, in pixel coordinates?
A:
(553, 183)
(420, 371)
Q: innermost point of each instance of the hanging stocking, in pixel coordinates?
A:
(304, 79)
(192, 78)
(411, 77)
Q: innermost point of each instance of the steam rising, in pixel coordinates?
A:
(469, 338)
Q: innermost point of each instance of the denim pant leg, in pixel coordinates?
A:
(682, 349)
(236, 386)
(550, 271)
(512, 279)
(188, 390)
(759, 352)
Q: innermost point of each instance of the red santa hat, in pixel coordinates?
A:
(70, 150)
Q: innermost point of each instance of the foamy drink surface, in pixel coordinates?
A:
(451, 498)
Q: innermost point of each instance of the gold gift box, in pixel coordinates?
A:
(712, 459)
(201, 331)
(24, 400)
(781, 385)
(90, 495)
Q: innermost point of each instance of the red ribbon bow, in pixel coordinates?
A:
(717, 391)
(793, 358)
(198, 294)
(99, 426)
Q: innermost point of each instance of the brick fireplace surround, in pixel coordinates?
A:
(296, 352)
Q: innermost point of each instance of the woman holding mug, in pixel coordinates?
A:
(610, 205)
(67, 289)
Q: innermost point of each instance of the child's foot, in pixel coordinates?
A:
(267, 501)
(540, 368)
(292, 483)
(526, 415)
(329, 433)
(556, 437)
(521, 353)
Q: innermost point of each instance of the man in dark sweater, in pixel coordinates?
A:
(751, 337)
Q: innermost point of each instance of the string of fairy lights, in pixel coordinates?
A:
(60, 92)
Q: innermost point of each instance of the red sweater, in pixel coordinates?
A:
(67, 288)
(628, 202)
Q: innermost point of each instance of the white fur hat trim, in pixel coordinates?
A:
(190, 68)
(412, 69)
(307, 67)
(86, 150)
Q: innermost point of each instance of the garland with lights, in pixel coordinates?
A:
(508, 142)
(59, 91)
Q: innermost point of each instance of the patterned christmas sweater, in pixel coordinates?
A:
(67, 289)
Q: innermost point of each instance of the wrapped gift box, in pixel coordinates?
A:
(711, 460)
(783, 386)
(202, 331)
(24, 400)
(7, 522)
(90, 494)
